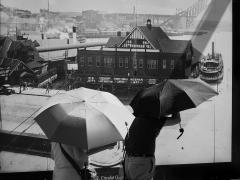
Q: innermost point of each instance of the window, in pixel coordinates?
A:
(140, 63)
(164, 65)
(172, 64)
(152, 64)
(126, 62)
(90, 61)
(98, 61)
(91, 80)
(81, 61)
(108, 62)
(134, 60)
(113, 62)
(121, 62)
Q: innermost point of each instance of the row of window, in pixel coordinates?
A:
(124, 62)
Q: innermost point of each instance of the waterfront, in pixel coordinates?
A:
(207, 136)
(207, 127)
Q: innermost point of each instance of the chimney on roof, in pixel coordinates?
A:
(74, 29)
(119, 33)
(149, 25)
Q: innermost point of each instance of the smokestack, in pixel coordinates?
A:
(213, 50)
(74, 35)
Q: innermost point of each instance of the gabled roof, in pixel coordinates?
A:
(12, 64)
(156, 37)
(115, 41)
(173, 46)
(153, 34)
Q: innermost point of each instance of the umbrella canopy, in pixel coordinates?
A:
(171, 96)
(86, 118)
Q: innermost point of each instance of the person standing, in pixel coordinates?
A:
(139, 162)
(25, 85)
(20, 86)
(47, 87)
(63, 169)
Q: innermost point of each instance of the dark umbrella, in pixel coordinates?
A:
(171, 96)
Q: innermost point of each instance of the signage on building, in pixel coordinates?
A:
(152, 81)
(105, 79)
(137, 81)
(72, 66)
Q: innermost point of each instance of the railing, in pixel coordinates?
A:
(49, 76)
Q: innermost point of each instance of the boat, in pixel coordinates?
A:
(211, 67)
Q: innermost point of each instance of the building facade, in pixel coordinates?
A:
(144, 57)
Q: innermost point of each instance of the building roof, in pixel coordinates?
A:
(173, 46)
(197, 56)
(115, 41)
(153, 35)
(34, 64)
(48, 43)
(158, 39)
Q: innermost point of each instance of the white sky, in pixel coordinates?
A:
(124, 6)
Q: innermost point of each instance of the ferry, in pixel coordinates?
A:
(211, 67)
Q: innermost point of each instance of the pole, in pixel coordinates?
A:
(217, 80)
(48, 16)
(0, 21)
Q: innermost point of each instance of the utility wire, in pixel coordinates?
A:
(14, 139)
(24, 120)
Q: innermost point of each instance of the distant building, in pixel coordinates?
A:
(143, 57)
(22, 13)
(91, 18)
(19, 60)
